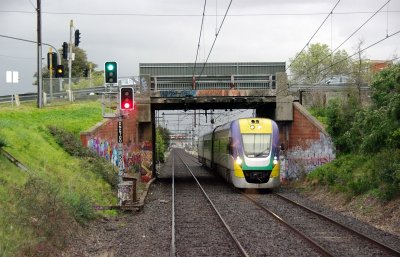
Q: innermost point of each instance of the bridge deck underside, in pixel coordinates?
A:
(212, 102)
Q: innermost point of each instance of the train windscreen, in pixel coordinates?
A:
(256, 145)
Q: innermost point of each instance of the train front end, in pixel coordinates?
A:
(255, 152)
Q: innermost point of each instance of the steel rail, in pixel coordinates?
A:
(173, 247)
(239, 246)
(361, 235)
(313, 243)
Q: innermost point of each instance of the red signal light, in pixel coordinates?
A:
(127, 105)
(126, 98)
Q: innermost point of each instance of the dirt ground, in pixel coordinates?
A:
(383, 216)
(136, 232)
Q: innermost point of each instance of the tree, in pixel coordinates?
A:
(165, 134)
(316, 63)
(370, 129)
(160, 146)
(78, 65)
(361, 74)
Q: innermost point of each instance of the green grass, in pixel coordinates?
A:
(377, 175)
(24, 133)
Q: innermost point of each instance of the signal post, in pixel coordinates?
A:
(126, 189)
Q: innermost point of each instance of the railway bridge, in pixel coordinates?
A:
(259, 86)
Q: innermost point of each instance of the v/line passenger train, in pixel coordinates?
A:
(245, 152)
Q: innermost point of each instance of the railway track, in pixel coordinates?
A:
(326, 236)
(240, 217)
(196, 222)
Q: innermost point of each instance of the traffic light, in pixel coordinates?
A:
(65, 50)
(110, 72)
(77, 37)
(126, 98)
(86, 72)
(51, 58)
(59, 71)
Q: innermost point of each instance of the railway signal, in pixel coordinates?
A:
(59, 71)
(77, 37)
(51, 60)
(126, 98)
(86, 72)
(65, 50)
(110, 72)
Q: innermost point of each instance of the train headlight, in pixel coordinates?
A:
(238, 161)
(275, 160)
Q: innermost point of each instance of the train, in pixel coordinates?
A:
(245, 152)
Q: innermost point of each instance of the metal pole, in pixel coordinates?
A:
(71, 25)
(153, 143)
(39, 55)
(90, 74)
(51, 73)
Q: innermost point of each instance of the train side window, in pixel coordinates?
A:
(230, 146)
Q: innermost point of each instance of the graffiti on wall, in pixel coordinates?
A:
(300, 160)
(194, 93)
(175, 93)
(136, 157)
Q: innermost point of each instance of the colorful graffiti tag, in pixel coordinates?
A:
(301, 160)
(194, 93)
(136, 156)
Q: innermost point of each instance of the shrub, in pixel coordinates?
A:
(69, 142)
(43, 209)
(90, 160)
(3, 142)
(377, 174)
(81, 207)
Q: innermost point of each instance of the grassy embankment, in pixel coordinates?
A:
(367, 139)
(41, 208)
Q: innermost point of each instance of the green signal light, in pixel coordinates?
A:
(110, 67)
(110, 72)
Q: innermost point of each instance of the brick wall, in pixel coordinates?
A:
(307, 143)
(137, 149)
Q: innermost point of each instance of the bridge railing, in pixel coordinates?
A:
(178, 83)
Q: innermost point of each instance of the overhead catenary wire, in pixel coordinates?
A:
(215, 39)
(361, 50)
(191, 15)
(351, 35)
(329, 55)
(308, 42)
(348, 57)
(201, 31)
(34, 7)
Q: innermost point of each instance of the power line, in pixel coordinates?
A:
(326, 18)
(215, 39)
(34, 7)
(352, 34)
(194, 15)
(348, 57)
(198, 43)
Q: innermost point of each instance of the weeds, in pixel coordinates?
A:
(90, 160)
(3, 142)
(43, 210)
(354, 175)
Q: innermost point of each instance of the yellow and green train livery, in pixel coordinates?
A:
(245, 152)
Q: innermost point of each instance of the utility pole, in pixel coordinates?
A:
(39, 55)
(71, 28)
(51, 73)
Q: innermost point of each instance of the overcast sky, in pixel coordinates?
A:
(132, 31)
